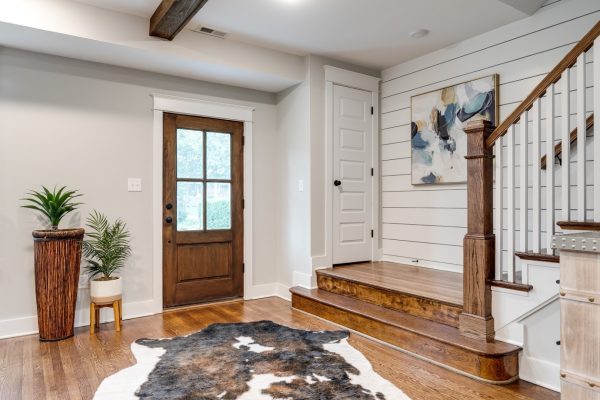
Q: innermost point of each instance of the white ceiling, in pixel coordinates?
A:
(370, 33)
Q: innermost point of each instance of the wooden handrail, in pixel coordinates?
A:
(567, 62)
(589, 122)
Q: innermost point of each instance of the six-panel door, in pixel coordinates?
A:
(352, 161)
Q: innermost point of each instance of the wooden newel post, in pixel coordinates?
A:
(476, 320)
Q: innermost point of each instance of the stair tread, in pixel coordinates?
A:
(434, 330)
(447, 285)
(579, 225)
(541, 256)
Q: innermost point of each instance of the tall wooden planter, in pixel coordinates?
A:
(57, 263)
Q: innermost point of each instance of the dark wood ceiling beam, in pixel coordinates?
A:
(171, 16)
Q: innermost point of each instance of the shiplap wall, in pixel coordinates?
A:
(425, 225)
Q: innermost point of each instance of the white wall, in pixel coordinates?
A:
(293, 125)
(301, 127)
(427, 223)
(89, 126)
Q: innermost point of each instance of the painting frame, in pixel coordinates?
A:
(495, 86)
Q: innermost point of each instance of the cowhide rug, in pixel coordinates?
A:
(249, 361)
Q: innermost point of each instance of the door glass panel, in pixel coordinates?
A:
(218, 155)
(218, 205)
(190, 201)
(189, 153)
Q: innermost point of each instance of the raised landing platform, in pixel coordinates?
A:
(413, 308)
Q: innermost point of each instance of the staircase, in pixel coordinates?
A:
(534, 176)
(563, 183)
(369, 299)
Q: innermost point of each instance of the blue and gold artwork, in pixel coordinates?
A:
(438, 141)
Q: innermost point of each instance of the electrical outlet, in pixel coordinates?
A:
(134, 185)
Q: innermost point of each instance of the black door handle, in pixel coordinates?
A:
(337, 183)
(169, 206)
(168, 220)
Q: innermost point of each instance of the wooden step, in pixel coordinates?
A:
(542, 256)
(579, 225)
(442, 344)
(379, 289)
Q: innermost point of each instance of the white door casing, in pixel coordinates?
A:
(352, 174)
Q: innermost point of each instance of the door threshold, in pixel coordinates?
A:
(201, 305)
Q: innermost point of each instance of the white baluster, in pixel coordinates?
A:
(597, 130)
(510, 208)
(499, 206)
(523, 166)
(536, 171)
(549, 168)
(565, 131)
(581, 134)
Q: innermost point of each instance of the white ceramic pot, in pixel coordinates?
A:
(106, 290)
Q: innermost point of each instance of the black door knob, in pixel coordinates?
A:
(168, 220)
(337, 183)
(169, 206)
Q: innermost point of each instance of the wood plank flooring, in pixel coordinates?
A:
(425, 282)
(72, 369)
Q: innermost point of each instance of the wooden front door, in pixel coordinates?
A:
(203, 210)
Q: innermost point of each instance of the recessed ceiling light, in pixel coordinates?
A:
(419, 33)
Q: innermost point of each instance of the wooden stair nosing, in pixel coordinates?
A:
(423, 307)
(492, 362)
(579, 225)
(529, 255)
(521, 287)
(449, 335)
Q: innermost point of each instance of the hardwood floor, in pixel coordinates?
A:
(72, 369)
(405, 278)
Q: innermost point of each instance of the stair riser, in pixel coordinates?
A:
(424, 308)
(500, 369)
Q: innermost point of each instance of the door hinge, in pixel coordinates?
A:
(243, 268)
(372, 110)
(243, 140)
(372, 171)
(372, 233)
(243, 204)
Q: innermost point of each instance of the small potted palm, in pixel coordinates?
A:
(57, 259)
(106, 250)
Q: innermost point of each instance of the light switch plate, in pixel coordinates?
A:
(301, 185)
(134, 185)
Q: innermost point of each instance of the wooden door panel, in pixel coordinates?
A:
(203, 209)
(204, 261)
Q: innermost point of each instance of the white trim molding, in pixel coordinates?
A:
(351, 79)
(203, 108)
(341, 77)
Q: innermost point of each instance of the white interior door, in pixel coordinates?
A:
(352, 174)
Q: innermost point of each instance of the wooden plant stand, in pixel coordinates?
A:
(97, 304)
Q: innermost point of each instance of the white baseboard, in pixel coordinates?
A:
(283, 291)
(423, 263)
(269, 290)
(304, 280)
(321, 262)
(28, 325)
(539, 372)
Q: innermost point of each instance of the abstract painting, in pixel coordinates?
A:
(438, 141)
